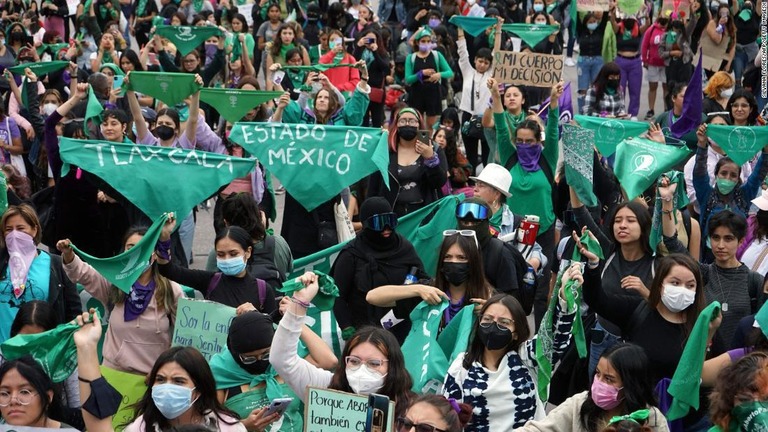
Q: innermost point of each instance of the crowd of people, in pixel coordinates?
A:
(587, 305)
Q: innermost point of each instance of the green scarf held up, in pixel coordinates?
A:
(284, 50)
(680, 200)
(93, 110)
(507, 149)
(54, 349)
(125, 269)
(326, 295)
(610, 132)
(233, 104)
(3, 193)
(472, 25)
(141, 8)
(319, 67)
(762, 318)
(740, 143)
(609, 50)
(577, 151)
(197, 5)
(684, 387)
(640, 162)
(573, 295)
(171, 88)
(55, 47)
(39, 68)
(187, 38)
(531, 34)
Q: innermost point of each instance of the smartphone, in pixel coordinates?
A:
(378, 409)
(370, 40)
(277, 76)
(278, 405)
(152, 58)
(423, 136)
(118, 82)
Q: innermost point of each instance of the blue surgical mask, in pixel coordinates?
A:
(232, 266)
(592, 26)
(172, 400)
(538, 7)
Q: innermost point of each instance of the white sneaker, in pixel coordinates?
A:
(569, 62)
(633, 118)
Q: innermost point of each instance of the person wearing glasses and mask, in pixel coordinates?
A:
(497, 374)
(377, 256)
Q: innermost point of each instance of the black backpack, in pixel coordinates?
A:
(521, 268)
(262, 265)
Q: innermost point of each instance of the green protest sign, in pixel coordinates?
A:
(171, 88)
(640, 162)
(187, 38)
(132, 387)
(610, 132)
(739, 142)
(335, 411)
(233, 104)
(315, 162)
(578, 153)
(203, 325)
(151, 177)
(124, 269)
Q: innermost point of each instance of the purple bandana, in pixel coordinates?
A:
(529, 155)
(137, 301)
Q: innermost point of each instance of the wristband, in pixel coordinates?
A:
(303, 304)
(592, 266)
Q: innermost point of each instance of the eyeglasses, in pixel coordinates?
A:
(354, 363)
(502, 323)
(405, 425)
(472, 210)
(379, 222)
(253, 359)
(23, 397)
(408, 122)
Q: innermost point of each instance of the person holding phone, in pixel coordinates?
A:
(424, 71)
(370, 48)
(344, 78)
(418, 168)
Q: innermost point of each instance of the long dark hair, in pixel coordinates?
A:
(750, 98)
(132, 57)
(601, 81)
(643, 219)
(31, 371)
(277, 42)
(381, 48)
(631, 363)
(665, 266)
(456, 420)
(451, 151)
(397, 383)
(241, 210)
(197, 367)
(522, 331)
(477, 285)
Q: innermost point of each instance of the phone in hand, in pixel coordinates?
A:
(277, 77)
(279, 406)
(152, 58)
(423, 136)
(378, 410)
(118, 82)
(370, 40)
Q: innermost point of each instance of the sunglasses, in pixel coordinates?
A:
(379, 222)
(472, 210)
(463, 233)
(405, 425)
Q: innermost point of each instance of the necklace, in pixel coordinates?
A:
(723, 296)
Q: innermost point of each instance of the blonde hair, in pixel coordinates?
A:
(719, 82)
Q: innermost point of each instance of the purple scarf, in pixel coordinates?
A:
(138, 300)
(528, 155)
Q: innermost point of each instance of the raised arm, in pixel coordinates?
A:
(92, 384)
(138, 119)
(387, 295)
(194, 113)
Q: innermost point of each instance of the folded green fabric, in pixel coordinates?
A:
(326, 296)
(531, 34)
(39, 68)
(233, 104)
(472, 25)
(171, 88)
(680, 200)
(187, 38)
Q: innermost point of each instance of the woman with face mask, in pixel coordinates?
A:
(718, 91)
(622, 385)
(140, 322)
(603, 98)
(629, 35)
(739, 401)
(424, 71)
(497, 373)
(30, 273)
(232, 285)
(372, 357)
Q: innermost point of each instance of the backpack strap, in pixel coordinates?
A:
(214, 282)
(262, 292)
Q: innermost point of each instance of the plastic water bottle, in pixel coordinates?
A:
(529, 279)
(411, 278)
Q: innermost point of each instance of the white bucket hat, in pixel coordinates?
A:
(762, 201)
(496, 176)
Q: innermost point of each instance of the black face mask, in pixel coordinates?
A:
(493, 337)
(164, 132)
(482, 231)
(256, 368)
(456, 273)
(762, 217)
(407, 132)
(613, 83)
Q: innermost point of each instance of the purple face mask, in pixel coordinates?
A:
(434, 22)
(424, 47)
(22, 251)
(529, 155)
(210, 50)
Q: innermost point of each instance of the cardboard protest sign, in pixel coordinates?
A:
(527, 68)
(335, 411)
(592, 5)
(202, 324)
(132, 387)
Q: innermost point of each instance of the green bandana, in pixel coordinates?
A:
(684, 387)
(573, 295)
(186, 38)
(319, 67)
(124, 269)
(749, 417)
(54, 349)
(234, 104)
(284, 50)
(39, 68)
(424, 32)
(745, 15)
(577, 150)
(610, 132)
(93, 110)
(531, 34)
(171, 88)
(114, 68)
(680, 200)
(229, 374)
(53, 47)
(472, 25)
(333, 156)
(3, 193)
(141, 9)
(639, 417)
(133, 171)
(762, 318)
(631, 7)
(326, 296)
(608, 50)
(197, 5)
(640, 162)
(740, 143)
(505, 149)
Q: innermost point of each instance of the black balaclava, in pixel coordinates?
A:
(248, 332)
(373, 239)
(482, 227)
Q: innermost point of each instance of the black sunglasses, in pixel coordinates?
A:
(405, 425)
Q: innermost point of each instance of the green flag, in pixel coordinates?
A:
(155, 179)
(315, 162)
(610, 132)
(454, 339)
(124, 269)
(578, 153)
(739, 142)
(171, 88)
(630, 7)
(186, 38)
(531, 34)
(640, 161)
(472, 25)
(40, 68)
(54, 349)
(93, 111)
(680, 200)
(573, 295)
(234, 104)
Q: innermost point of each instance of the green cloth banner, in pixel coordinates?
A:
(640, 162)
(333, 157)
(171, 88)
(686, 381)
(54, 349)
(429, 354)
(531, 34)
(124, 269)
(573, 296)
(151, 177)
(320, 67)
(680, 200)
(234, 104)
(132, 387)
(610, 132)
(472, 25)
(40, 68)
(739, 142)
(187, 38)
(579, 160)
(630, 7)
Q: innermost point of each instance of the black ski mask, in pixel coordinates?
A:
(250, 332)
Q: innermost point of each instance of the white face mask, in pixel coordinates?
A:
(727, 93)
(365, 381)
(677, 298)
(49, 108)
